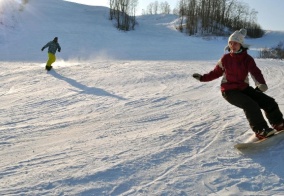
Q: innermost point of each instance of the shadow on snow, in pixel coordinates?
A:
(83, 88)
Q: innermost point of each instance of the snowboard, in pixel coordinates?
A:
(276, 138)
(48, 68)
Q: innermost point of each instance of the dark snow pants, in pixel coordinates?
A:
(252, 101)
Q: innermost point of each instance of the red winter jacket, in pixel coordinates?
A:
(235, 69)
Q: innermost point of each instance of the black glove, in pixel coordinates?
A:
(197, 76)
(42, 49)
(59, 50)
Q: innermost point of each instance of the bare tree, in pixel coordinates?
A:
(156, 7)
(182, 13)
(150, 9)
(123, 11)
(192, 17)
(165, 8)
(111, 9)
(133, 6)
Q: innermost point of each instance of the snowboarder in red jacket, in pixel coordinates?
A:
(235, 67)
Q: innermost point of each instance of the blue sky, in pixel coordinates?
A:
(270, 12)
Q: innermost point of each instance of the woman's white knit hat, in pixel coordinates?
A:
(239, 36)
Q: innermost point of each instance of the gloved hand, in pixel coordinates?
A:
(42, 49)
(261, 87)
(197, 76)
(59, 50)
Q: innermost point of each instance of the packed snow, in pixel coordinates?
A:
(120, 113)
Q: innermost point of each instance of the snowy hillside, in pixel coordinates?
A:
(120, 114)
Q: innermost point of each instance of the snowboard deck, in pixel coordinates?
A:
(48, 68)
(276, 138)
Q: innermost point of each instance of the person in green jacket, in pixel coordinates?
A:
(53, 46)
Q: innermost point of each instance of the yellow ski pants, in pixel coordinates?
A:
(51, 59)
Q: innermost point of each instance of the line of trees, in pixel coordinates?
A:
(157, 8)
(213, 16)
(124, 13)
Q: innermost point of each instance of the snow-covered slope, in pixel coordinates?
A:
(121, 114)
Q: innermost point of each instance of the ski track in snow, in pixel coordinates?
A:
(131, 120)
(93, 129)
